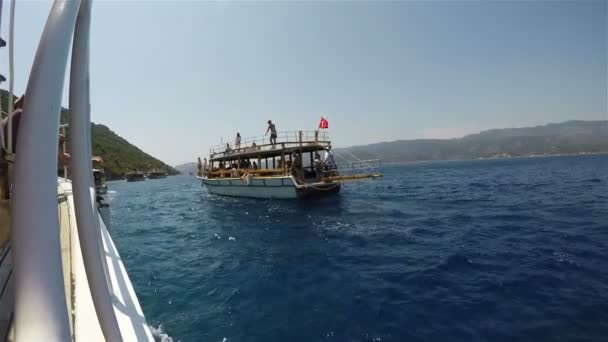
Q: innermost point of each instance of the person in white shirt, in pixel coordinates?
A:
(328, 160)
(318, 166)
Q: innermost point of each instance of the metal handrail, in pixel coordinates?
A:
(287, 138)
(40, 302)
(89, 232)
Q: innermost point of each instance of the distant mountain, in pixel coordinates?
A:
(118, 154)
(187, 168)
(569, 137)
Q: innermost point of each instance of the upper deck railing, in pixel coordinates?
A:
(262, 142)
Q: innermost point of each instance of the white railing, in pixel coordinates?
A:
(87, 220)
(41, 313)
(11, 82)
(262, 142)
(40, 306)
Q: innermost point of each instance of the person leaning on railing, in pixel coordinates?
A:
(318, 166)
(296, 167)
(202, 167)
(329, 161)
(64, 158)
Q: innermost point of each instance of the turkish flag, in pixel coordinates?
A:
(324, 123)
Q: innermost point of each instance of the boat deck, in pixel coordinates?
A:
(287, 143)
(84, 324)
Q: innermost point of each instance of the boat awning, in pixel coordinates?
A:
(267, 153)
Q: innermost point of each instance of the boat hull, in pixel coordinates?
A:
(269, 188)
(156, 175)
(86, 327)
(319, 190)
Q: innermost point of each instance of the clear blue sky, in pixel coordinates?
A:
(174, 77)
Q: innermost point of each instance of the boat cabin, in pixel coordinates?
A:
(135, 177)
(156, 174)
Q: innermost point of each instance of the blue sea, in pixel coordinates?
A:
(489, 250)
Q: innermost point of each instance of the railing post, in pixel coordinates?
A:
(300, 138)
(40, 301)
(11, 81)
(89, 232)
(300, 142)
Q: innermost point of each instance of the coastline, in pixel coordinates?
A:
(495, 158)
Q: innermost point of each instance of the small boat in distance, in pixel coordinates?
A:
(289, 169)
(156, 174)
(135, 176)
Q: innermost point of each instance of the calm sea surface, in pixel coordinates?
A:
(494, 250)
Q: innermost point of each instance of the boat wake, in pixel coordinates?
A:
(159, 335)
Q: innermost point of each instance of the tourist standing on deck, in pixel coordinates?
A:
(318, 166)
(329, 161)
(296, 167)
(237, 141)
(273, 133)
(62, 157)
(200, 167)
(204, 167)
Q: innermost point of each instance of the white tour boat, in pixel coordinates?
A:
(298, 165)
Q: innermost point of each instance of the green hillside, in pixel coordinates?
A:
(118, 154)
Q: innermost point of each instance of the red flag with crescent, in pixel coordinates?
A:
(324, 124)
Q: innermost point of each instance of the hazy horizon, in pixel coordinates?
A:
(183, 75)
(431, 138)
